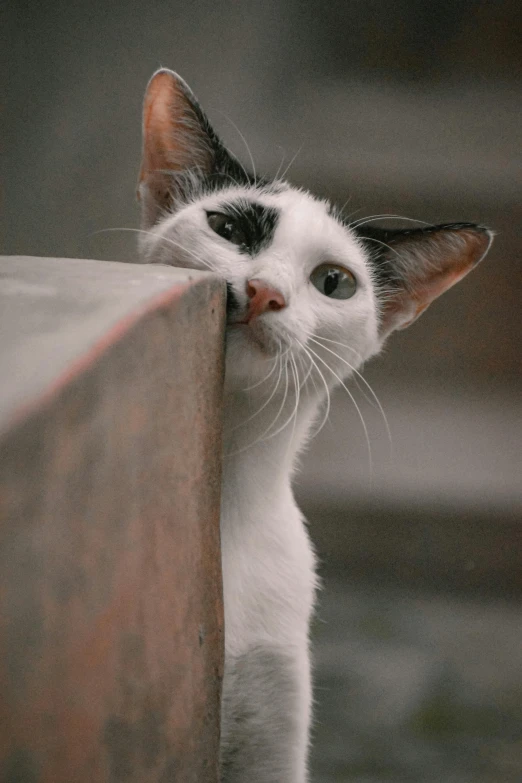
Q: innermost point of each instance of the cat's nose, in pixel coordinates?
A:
(262, 298)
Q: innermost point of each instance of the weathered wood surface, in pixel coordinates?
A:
(111, 619)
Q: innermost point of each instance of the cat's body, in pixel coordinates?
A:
(311, 298)
(269, 582)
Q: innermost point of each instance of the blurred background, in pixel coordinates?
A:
(403, 108)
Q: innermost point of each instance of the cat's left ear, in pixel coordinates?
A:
(417, 266)
(179, 146)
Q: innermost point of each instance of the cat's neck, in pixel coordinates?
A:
(261, 443)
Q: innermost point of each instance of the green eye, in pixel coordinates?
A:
(226, 227)
(334, 281)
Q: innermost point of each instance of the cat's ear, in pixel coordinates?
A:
(179, 145)
(416, 266)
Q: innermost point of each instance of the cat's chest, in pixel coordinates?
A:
(268, 569)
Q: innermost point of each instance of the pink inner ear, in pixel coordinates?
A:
(159, 111)
(448, 261)
(438, 285)
(174, 137)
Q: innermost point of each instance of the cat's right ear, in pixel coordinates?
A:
(418, 265)
(178, 143)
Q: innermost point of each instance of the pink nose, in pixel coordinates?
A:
(263, 298)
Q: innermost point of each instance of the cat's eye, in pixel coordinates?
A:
(226, 227)
(334, 281)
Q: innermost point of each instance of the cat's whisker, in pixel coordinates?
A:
(236, 183)
(267, 402)
(308, 372)
(285, 172)
(328, 399)
(288, 350)
(274, 365)
(345, 205)
(306, 364)
(358, 355)
(363, 394)
(195, 256)
(297, 397)
(123, 228)
(361, 417)
(313, 366)
(231, 121)
(353, 213)
(354, 369)
(274, 420)
(384, 244)
(293, 415)
(372, 218)
(167, 240)
(363, 379)
(280, 409)
(337, 342)
(280, 166)
(315, 337)
(185, 249)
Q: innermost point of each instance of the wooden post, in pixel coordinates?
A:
(111, 616)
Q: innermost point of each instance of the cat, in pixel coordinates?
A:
(311, 297)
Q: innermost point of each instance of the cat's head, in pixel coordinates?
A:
(300, 278)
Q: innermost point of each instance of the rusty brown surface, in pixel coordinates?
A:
(111, 618)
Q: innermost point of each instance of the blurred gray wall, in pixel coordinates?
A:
(393, 106)
(400, 107)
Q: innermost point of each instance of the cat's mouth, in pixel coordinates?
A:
(237, 322)
(247, 328)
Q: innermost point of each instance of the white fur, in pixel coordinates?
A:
(268, 562)
(280, 367)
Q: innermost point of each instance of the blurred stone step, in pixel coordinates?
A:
(444, 507)
(111, 613)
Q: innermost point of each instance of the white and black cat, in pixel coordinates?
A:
(310, 298)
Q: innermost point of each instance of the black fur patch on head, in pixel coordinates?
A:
(184, 159)
(256, 222)
(376, 241)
